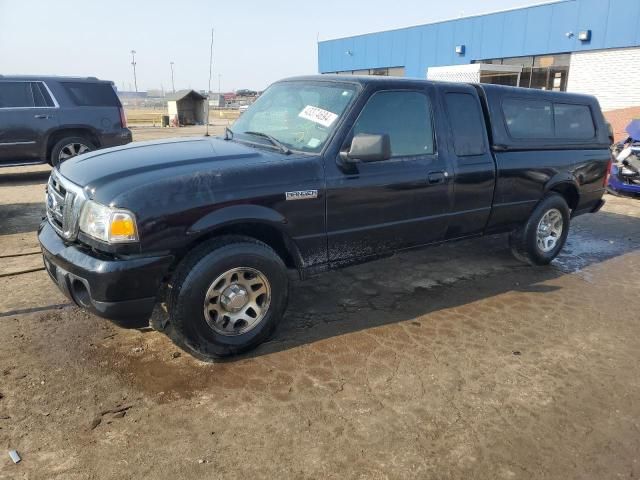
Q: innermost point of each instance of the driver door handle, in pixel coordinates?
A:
(43, 116)
(437, 177)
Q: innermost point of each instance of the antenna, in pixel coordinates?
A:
(209, 87)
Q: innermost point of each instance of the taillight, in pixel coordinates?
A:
(123, 118)
(606, 176)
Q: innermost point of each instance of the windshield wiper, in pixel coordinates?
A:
(283, 148)
(228, 133)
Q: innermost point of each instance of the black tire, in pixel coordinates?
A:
(54, 159)
(524, 241)
(187, 292)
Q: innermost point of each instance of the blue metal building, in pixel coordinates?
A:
(562, 41)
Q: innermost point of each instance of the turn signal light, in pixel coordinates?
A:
(122, 227)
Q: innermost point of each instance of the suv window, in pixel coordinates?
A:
(404, 116)
(528, 118)
(573, 121)
(85, 94)
(15, 95)
(466, 124)
(41, 96)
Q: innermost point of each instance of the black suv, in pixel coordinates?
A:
(51, 119)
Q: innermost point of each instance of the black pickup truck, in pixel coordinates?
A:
(321, 172)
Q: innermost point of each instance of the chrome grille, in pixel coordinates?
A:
(64, 201)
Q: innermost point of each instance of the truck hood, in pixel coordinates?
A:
(105, 174)
(111, 164)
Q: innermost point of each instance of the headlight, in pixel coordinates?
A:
(111, 225)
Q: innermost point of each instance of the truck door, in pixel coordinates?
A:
(27, 112)
(376, 207)
(473, 163)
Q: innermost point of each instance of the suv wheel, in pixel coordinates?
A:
(540, 240)
(68, 148)
(227, 297)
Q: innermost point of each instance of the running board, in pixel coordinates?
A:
(22, 164)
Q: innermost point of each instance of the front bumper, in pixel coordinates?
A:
(619, 186)
(118, 289)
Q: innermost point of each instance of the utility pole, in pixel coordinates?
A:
(173, 86)
(133, 63)
(219, 89)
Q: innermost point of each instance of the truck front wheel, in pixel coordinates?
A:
(227, 297)
(540, 240)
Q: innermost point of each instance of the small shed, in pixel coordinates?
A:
(187, 107)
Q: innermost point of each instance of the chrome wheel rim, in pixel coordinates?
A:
(549, 230)
(237, 301)
(71, 150)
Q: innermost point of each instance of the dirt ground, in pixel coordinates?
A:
(455, 362)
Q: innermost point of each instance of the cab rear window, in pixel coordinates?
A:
(85, 94)
(466, 121)
(540, 119)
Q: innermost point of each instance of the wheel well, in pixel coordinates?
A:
(263, 232)
(569, 192)
(58, 135)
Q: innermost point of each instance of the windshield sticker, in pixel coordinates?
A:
(318, 115)
(313, 143)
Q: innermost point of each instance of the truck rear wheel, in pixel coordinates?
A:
(227, 297)
(541, 239)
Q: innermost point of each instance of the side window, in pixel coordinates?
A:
(573, 121)
(15, 95)
(41, 96)
(404, 116)
(87, 94)
(467, 125)
(528, 118)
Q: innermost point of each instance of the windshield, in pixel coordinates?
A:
(298, 115)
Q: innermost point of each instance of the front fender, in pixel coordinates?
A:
(256, 221)
(236, 214)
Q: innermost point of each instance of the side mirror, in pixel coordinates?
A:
(367, 147)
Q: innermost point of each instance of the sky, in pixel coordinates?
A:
(255, 42)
